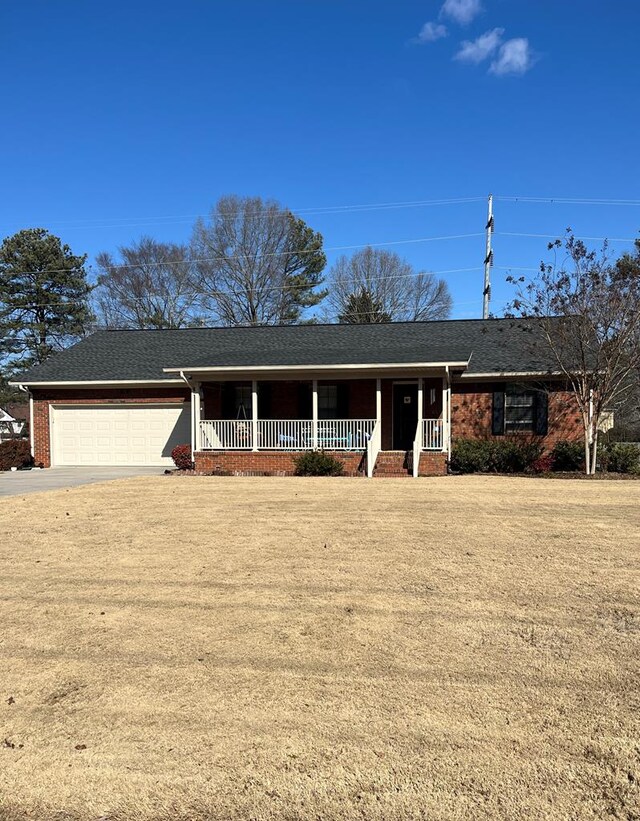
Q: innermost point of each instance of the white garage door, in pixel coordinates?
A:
(118, 435)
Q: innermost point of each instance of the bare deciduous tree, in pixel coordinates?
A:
(596, 343)
(257, 263)
(396, 290)
(150, 287)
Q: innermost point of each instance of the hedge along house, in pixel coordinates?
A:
(386, 399)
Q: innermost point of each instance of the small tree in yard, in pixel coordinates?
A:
(588, 312)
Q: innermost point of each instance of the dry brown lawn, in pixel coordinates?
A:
(202, 648)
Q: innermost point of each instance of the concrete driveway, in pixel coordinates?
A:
(17, 482)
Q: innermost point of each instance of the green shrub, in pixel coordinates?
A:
(15, 453)
(620, 457)
(568, 455)
(511, 456)
(318, 463)
(494, 455)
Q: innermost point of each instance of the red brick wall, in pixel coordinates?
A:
(362, 399)
(472, 406)
(275, 463)
(432, 464)
(43, 399)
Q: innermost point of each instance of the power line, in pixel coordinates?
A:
(555, 236)
(254, 257)
(207, 293)
(126, 222)
(567, 200)
(215, 327)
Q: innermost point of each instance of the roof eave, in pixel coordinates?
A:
(79, 383)
(383, 366)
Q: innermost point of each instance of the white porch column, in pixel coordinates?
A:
(195, 417)
(314, 415)
(197, 414)
(31, 431)
(379, 401)
(446, 412)
(254, 414)
(420, 411)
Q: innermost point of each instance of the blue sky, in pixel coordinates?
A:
(125, 118)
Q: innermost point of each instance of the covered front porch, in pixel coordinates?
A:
(355, 418)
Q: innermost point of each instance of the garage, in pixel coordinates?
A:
(118, 434)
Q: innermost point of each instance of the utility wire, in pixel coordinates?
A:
(207, 293)
(555, 236)
(130, 222)
(126, 222)
(566, 200)
(253, 257)
(223, 327)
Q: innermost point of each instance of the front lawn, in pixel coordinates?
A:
(201, 648)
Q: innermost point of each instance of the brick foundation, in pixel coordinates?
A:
(272, 463)
(433, 464)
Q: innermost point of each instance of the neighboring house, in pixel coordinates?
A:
(13, 420)
(249, 399)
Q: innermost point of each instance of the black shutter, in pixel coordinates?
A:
(541, 425)
(305, 402)
(497, 420)
(228, 400)
(342, 405)
(264, 400)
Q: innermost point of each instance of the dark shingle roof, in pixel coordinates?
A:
(492, 346)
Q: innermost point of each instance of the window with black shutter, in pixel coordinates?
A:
(520, 410)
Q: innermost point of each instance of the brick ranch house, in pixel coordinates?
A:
(388, 398)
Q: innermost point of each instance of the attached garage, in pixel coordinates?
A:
(108, 434)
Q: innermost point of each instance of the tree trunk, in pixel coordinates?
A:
(587, 443)
(594, 452)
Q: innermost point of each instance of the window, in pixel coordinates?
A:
(519, 410)
(243, 401)
(327, 401)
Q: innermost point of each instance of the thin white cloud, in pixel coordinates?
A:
(515, 57)
(431, 32)
(462, 11)
(475, 51)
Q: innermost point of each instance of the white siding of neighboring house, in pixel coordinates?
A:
(9, 427)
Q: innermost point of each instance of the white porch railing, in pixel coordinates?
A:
(417, 450)
(286, 434)
(344, 434)
(226, 434)
(374, 446)
(432, 434)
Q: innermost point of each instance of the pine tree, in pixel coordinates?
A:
(362, 309)
(43, 298)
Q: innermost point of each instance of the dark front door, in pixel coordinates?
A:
(405, 416)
